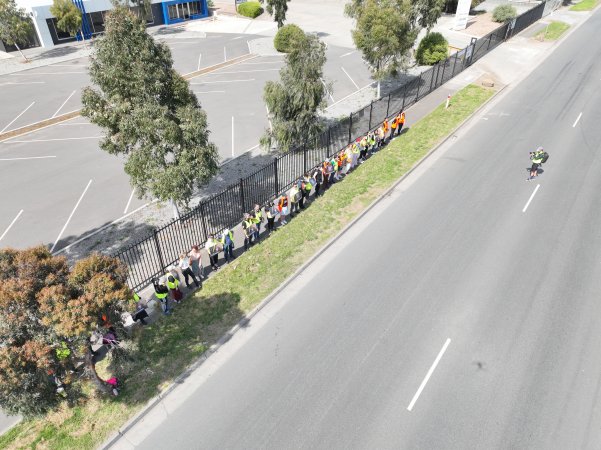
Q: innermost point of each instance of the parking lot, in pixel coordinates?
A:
(58, 185)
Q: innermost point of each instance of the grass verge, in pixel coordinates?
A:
(553, 31)
(585, 5)
(161, 352)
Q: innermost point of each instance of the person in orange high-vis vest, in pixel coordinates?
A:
(400, 119)
(386, 127)
(393, 125)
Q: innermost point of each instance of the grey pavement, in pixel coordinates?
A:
(464, 256)
(7, 422)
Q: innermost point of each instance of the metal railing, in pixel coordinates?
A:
(150, 256)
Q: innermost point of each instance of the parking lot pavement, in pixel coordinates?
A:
(46, 173)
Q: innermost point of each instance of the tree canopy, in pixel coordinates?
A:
(383, 33)
(277, 9)
(15, 25)
(148, 112)
(47, 312)
(68, 16)
(295, 101)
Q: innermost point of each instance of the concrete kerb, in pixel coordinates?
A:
(248, 317)
(71, 115)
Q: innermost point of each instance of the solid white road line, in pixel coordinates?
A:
(236, 38)
(199, 57)
(224, 81)
(13, 121)
(224, 54)
(30, 157)
(249, 50)
(429, 374)
(243, 71)
(61, 107)
(577, 119)
(347, 54)
(531, 197)
(349, 77)
(51, 140)
(11, 224)
(129, 201)
(262, 63)
(71, 215)
(232, 136)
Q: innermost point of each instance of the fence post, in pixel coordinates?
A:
(454, 64)
(275, 176)
(371, 107)
(350, 127)
(203, 219)
(329, 139)
(432, 77)
(489, 39)
(156, 243)
(443, 68)
(471, 49)
(242, 200)
(418, 84)
(388, 106)
(304, 158)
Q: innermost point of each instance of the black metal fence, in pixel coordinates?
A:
(149, 257)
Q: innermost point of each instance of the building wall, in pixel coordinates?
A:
(49, 36)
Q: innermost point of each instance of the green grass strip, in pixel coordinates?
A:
(585, 5)
(160, 352)
(553, 31)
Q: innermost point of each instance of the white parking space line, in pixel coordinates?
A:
(11, 224)
(577, 119)
(224, 81)
(347, 54)
(45, 73)
(13, 121)
(199, 58)
(249, 50)
(129, 201)
(236, 38)
(262, 63)
(232, 136)
(52, 140)
(64, 103)
(70, 216)
(349, 77)
(25, 158)
(209, 92)
(243, 71)
(328, 92)
(25, 82)
(344, 98)
(428, 375)
(531, 197)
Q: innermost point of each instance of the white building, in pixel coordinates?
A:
(93, 12)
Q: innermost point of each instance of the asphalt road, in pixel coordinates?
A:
(467, 265)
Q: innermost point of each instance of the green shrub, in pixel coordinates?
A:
(287, 36)
(504, 13)
(431, 49)
(250, 9)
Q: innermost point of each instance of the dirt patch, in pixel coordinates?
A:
(480, 25)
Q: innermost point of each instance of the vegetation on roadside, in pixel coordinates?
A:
(277, 9)
(47, 314)
(585, 5)
(287, 37)
(250, 9)
(15, 25)
(294, 102)
(148, 112)
(432, 49)
(553, 31)
(164, 349)
(504, 13)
